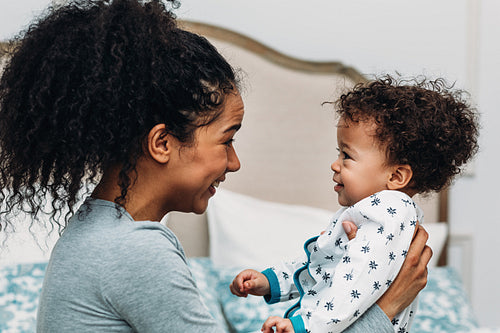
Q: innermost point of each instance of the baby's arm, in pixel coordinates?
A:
(275, 284)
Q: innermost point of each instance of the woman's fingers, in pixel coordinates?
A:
(418, 248)
(350, 229)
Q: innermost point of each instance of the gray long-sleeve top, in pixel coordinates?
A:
(109, 273)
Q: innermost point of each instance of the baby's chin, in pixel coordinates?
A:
(346, 202)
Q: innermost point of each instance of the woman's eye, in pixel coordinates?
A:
(229, 142)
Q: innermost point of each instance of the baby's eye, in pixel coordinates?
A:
(343, 154)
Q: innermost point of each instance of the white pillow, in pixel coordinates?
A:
(252, 233)
(26, 245)
(438, 233)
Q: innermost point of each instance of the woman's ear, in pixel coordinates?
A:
(159, 146)
(400, 177)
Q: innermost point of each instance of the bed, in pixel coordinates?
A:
(282, 195)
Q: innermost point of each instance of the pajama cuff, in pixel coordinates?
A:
(274, 287)
(298, 324)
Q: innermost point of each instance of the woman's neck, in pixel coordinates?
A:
(139, 204)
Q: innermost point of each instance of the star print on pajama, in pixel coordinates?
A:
(337, 280)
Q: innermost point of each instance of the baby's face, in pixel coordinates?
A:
(360, 169)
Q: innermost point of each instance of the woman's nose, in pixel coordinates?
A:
(233, 163)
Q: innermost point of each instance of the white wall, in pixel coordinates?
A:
(16, 15)
(458, 39)
(474, 200)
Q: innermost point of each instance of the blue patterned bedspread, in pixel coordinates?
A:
(443, 304)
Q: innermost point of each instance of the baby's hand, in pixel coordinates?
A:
(250, 282)
(282, 325)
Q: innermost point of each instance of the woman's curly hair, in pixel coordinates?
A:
(423, 123)
(83, 86)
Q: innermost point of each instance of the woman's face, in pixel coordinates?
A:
(200, 167)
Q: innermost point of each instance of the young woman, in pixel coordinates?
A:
(112, 99)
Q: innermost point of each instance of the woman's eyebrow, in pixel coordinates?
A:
(235, 127)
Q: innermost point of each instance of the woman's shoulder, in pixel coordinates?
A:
(102, 228)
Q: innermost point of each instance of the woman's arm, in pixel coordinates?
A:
(373, 320)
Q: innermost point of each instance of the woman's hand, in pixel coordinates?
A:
(251, 282)
(412, 277)
(282, 325)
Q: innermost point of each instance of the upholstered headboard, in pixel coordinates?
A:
(288, 139)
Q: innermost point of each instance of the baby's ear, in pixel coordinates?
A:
(400, 177)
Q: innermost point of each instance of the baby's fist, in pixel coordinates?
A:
(251, 282)
(282, 325)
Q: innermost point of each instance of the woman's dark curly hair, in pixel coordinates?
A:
(422, 123)
(83, 87)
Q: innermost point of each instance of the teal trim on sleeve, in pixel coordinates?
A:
(275, 295)
(298, 324)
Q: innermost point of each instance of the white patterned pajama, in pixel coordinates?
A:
(338, 280)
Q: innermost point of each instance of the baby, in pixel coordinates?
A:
(395, 140)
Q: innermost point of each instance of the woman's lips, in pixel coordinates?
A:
(213, 188)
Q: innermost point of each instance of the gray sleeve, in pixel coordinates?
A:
(154, 291)
(373, 320)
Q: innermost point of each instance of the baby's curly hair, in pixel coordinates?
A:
(422, 123)
(82, 88)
